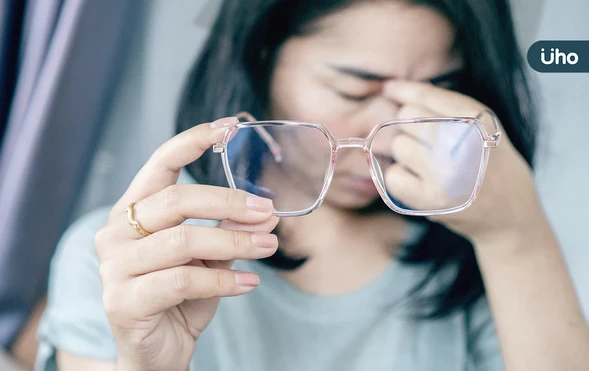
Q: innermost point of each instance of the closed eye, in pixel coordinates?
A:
(354, 98)
(449, 85)
(451, 80)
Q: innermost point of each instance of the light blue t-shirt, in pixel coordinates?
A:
(276, 327)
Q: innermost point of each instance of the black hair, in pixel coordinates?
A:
(232, 74)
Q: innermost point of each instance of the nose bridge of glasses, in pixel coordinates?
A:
(350, 143)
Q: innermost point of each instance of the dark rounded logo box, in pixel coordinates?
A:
(558, 56)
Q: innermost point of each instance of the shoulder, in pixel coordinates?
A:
(74, 319)
(78, 239)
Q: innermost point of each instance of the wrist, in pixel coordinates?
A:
(516, 242)
(124, 365)
(521, 231)
(128, 364)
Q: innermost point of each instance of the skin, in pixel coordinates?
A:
(160, 303)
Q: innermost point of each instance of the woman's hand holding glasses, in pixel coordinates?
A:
(161, 290)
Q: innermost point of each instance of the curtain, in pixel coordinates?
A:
(65, 61)
(11, 18)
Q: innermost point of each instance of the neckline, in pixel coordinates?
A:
(387, 289)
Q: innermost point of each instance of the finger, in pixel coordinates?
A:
(410, 111)
(180, 245)
(267, 226)
(413, 155)
(436, 99)
(425, 133)
(161, 290)
(176, 203)
(416, 193)
(403, 185)
(162, 169)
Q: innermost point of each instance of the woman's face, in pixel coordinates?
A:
(334, 77)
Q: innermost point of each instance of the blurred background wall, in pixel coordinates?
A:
(143, 112)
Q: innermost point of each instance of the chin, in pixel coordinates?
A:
(350, 200)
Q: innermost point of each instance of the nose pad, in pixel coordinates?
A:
(372, 161)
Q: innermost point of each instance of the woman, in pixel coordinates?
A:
(354, 286)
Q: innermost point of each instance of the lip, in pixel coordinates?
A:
(360, 184)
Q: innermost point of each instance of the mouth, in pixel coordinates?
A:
(362, 184)
(359, 184)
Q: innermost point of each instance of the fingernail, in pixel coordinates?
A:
(224, 122)
(265, 240)
(260, 204)
(247, 279)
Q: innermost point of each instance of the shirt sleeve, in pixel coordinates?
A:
(484, 352)
(74, 319)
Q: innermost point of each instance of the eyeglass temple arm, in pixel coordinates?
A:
(492, 141)
(274, 147)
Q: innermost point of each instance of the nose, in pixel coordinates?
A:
(385, 109)
(380, 110)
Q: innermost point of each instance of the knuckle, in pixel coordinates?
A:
(181, 278)
(100, 240)
(112, 303)
(223, 281)
(237, 240)
(170, 196)
(220, 281)
(101, 236)
(160, 153)
(178, 239)
(106, 272)
(233, 198)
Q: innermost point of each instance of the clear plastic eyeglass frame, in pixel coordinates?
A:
(248, 121)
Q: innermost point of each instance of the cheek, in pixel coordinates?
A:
(301, 100)
(300, 97)
(316, 106)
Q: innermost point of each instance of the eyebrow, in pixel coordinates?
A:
(371, 76)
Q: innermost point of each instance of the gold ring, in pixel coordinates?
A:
(134, 223)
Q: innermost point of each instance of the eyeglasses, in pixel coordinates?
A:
(421, 166)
